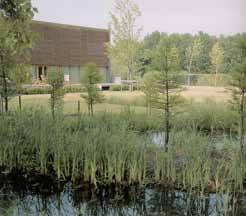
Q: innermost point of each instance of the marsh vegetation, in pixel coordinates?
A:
(116, 150)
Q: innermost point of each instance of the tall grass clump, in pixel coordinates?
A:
(209, 115)
(96, 150)
(194, 163)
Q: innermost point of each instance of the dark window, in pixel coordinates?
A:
(40, 72)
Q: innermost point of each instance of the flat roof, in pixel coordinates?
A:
(68, 26)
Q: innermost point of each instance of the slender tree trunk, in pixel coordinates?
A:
(53, 102)
(216, 76)
(5, 91)
(242, 108)
(130, 78)
(190, 63)
(242, 119)
(91, 109)
(167, 113)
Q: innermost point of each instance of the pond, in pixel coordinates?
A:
(133, 201)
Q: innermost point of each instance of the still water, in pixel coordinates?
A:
(132, 201)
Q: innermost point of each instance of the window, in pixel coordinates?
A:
(41, 72)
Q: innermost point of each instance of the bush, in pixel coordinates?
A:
(123, 87)
(46, 90)
(119, 88)
(115, 88)
(35, 90)
(74, 89)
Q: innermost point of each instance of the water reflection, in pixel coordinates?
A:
(158, 138)
(132, 201)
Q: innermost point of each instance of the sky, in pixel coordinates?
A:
(184, 16)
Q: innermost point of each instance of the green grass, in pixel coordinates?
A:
(209, 116)
(111, 148)
(70, 106)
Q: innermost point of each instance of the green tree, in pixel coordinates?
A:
(21, 75)
(169, 66)
(90, 77)
(203, 61)
(16, 40)
(150, 89)
(125, 36)
(216, 56)
(231, 52)
(56, 81)
(239, 81)
(192, 53)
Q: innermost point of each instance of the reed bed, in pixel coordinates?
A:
(111, 149)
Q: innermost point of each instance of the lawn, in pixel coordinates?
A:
(115, 101)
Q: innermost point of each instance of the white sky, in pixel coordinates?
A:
(212, 16)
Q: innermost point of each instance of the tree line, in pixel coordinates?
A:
(200, 53)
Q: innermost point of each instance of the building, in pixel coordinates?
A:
(68, 48)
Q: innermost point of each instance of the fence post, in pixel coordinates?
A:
(1, 110)
(20, 102)
(2, 105)
(79, 106)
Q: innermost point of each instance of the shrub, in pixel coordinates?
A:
(46, 90)
(115, 88)
(74, 89)
(35, 90)
(123, 87)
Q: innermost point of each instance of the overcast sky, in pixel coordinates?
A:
(212, 16)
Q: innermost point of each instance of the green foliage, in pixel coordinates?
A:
(125, 34)
(193, 50)
(16, 40)
(56, 80)
(168, 62)
(106, 149)
(150, 89)
(239, 82)
(119, 88)
(91, 76)
(210, 116)
(216, 56)
(47, 90)
(73, 89)
(193, 53)
(21, 75)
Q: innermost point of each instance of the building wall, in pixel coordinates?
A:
(74, 72)
(70, 48)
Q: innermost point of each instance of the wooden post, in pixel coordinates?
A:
(79, 106)
(20, 102)
(1, 105)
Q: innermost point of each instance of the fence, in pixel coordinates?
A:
(206, 80)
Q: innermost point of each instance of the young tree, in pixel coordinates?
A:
(150, 89)
(56, 81)
(239, 81)
(90, 77)
(169, 66)
(125, 36)
(16, 40)
(193, 52)
(216, 56)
